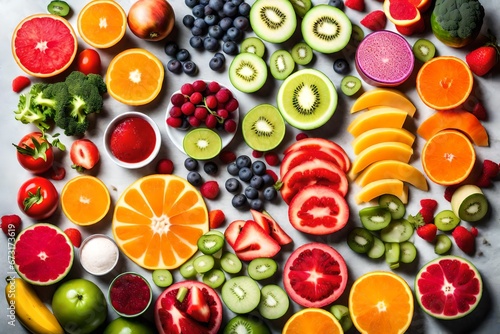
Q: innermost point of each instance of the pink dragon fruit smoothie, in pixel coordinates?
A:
(384, 58)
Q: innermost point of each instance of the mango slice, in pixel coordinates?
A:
(381, 187)
(378, 152)
(393, 169)
(375, 118)
(380, 135)
(384, 97)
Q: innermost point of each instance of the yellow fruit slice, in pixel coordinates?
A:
(388, 117)
(393, 169)
(381, 187)
(312, 321)
(381, 151)
(384, 97)
(380, 135)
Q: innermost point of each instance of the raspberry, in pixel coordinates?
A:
(11, 224)
(74, 235)
(301, 135)
(257, 154)
(187, 89)
(474, 231)
(216, 218)
(199, 85)
(164, 166)
(272, 158)
(227, 157)
(489, 171)
(210, 189)
(448, 192)
(479, 111)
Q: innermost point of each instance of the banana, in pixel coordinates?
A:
(31, 312)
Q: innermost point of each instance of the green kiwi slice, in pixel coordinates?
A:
(281, 64)
(469, 203)
(393, 204)
(203, 263)
(60, 8)
(248, 72)
(397, 231)
(253, 45)
(307, 99)
(230, 263)
(301, 6)
(360, 240)
(214, 278)
(247, 324)
(274, 302)
(273, 21)
(375, 218)
(442, 244)
(446, 220)
(187, 269)
(341, 313)
(162, 278)
(424, 50)
(408, 252)
(392, 254)
(210, 243)
(302, 53)
(357, 34)
(326, 29)
(377, 250)
(202, 143)
(262, 268)
(263, 127)
(241, 294)
(350, 85)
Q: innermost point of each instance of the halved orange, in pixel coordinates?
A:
(135, 77)
(85, 200)
(312, 321)
(402, 12)
(157, 221)
(448, 157)
(102, 23)
(444, 82)
(381, 302)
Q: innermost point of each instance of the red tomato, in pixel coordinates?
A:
(38, 198)
(35, 153)
(89, 61)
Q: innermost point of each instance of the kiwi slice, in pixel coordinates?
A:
(60, 8)
(377, 250)
(341, 313)
(281, 64)
(248, 72)
(442, 245)
(241, 294)
(210, 243)
(263, 127)
(397, 231)
(307, 99)
(230, 263)
(326, 29)
(393, 204)
(214, 278)
(273, 21)
(202, 143)
(360, 240)
(162, 278)
(187, 269)
(302, 53)
(446, 220)
(469, 203)
(262, 268)
(408, 252)
(301, 6)
(253, 45)
(246, 324)
(375, 218)
(357, 34)
(350, 85)
(203, 263)
(274, 302)
(392, 254)
(424, 50)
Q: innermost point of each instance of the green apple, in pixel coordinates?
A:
(80, 306)
(123, 325)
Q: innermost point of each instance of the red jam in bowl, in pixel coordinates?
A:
(132, 140)
(130, 294)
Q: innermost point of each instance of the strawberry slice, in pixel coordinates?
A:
(232, 231)
(253, 242)
(275, 230)
(197, 308)
(84, 154)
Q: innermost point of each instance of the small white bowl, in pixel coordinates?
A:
(99, 254)
(109, 131)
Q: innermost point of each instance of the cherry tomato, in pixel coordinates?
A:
(38, 198)
(89, 61)
(35, 153)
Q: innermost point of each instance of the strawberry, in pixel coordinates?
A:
(479, 111)
(20, 82)
(84, 154)
(74, 235)
(358, 5)
(272, 174)
(57, 173)
(301, 135)
(483, 59)
(272, 158)
(464, 239)
(257, 154)
(216, 218)
(210, 189)
(427, 232)
(233, 230)
(253, 242)
(375, 20)
(489, 171)
(428, 208)
(448, 192)
(164, 166)
(11, 225)
(197, 306)
(227, 156)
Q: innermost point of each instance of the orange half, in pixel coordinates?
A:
(312, 321)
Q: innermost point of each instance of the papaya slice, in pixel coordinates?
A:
(380, 135)
(382, 151)
(388, 97)
(387, 116)
(382, 187)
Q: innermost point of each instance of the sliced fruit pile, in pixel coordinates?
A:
(407, 15)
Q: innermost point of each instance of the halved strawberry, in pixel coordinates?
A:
(84, 154)
(253, 242)
(197, 308)
(233, 230)
(275, 230)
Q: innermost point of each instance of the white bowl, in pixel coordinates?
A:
(99, 254)
(112, 125)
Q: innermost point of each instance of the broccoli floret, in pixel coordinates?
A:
(27, 113)
(460, 18)
(52, 98)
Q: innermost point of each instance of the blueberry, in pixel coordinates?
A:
(230, 47)
(241, 23)
(210, 168)
(198, 10)
(259, 167)
(257, 182)
(229, 9)
(237, 2)
(256, 204)
(268, 179)
(211, 19)
(341, 66)
(189, 67)
(232, 185)
(204, 2)
(197, 31)
(337, 3)
(245, 174)
(216, 63)
(200, 23)
(233, 169)
(182, 55)
(216, 31)
(209, 10)
(174, 66)
(171, 48)
(185, 124)
(211, 44)
(220, 55)
(226, 23)
(234, 34)
(216, 4)
(196, 42)
(251, 192)
(194, 178)
(191, 164)
(270, 193)
(188, 21)
(243, 161)
(239, 201)
(191, 3)
(244, 9)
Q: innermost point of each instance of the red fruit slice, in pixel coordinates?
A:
(43, 254)
(44, 45)
(276, 232)
(198, 308)
(321, 144)
(233, 230)
(402, 12)
(312, 172)
(298, 157)
(448, 287)
(171, 314)
(253, 242)
(315, 275)
(318, 210)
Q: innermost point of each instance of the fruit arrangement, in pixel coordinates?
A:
(304, 145)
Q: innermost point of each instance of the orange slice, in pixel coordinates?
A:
(157, 221)
(402, 12)
(444, 82)
(381, 302)
(135, 77)
(85, 200)
(102, 23)
(312, 321)
(448, 157)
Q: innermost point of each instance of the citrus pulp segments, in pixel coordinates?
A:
(44, 45)
(43, 254)
(157, 221)
(449, 287)
(312, 320)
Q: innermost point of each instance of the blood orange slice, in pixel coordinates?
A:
(43, 254)
(448, 287)
(44, 45)
(315, 275)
